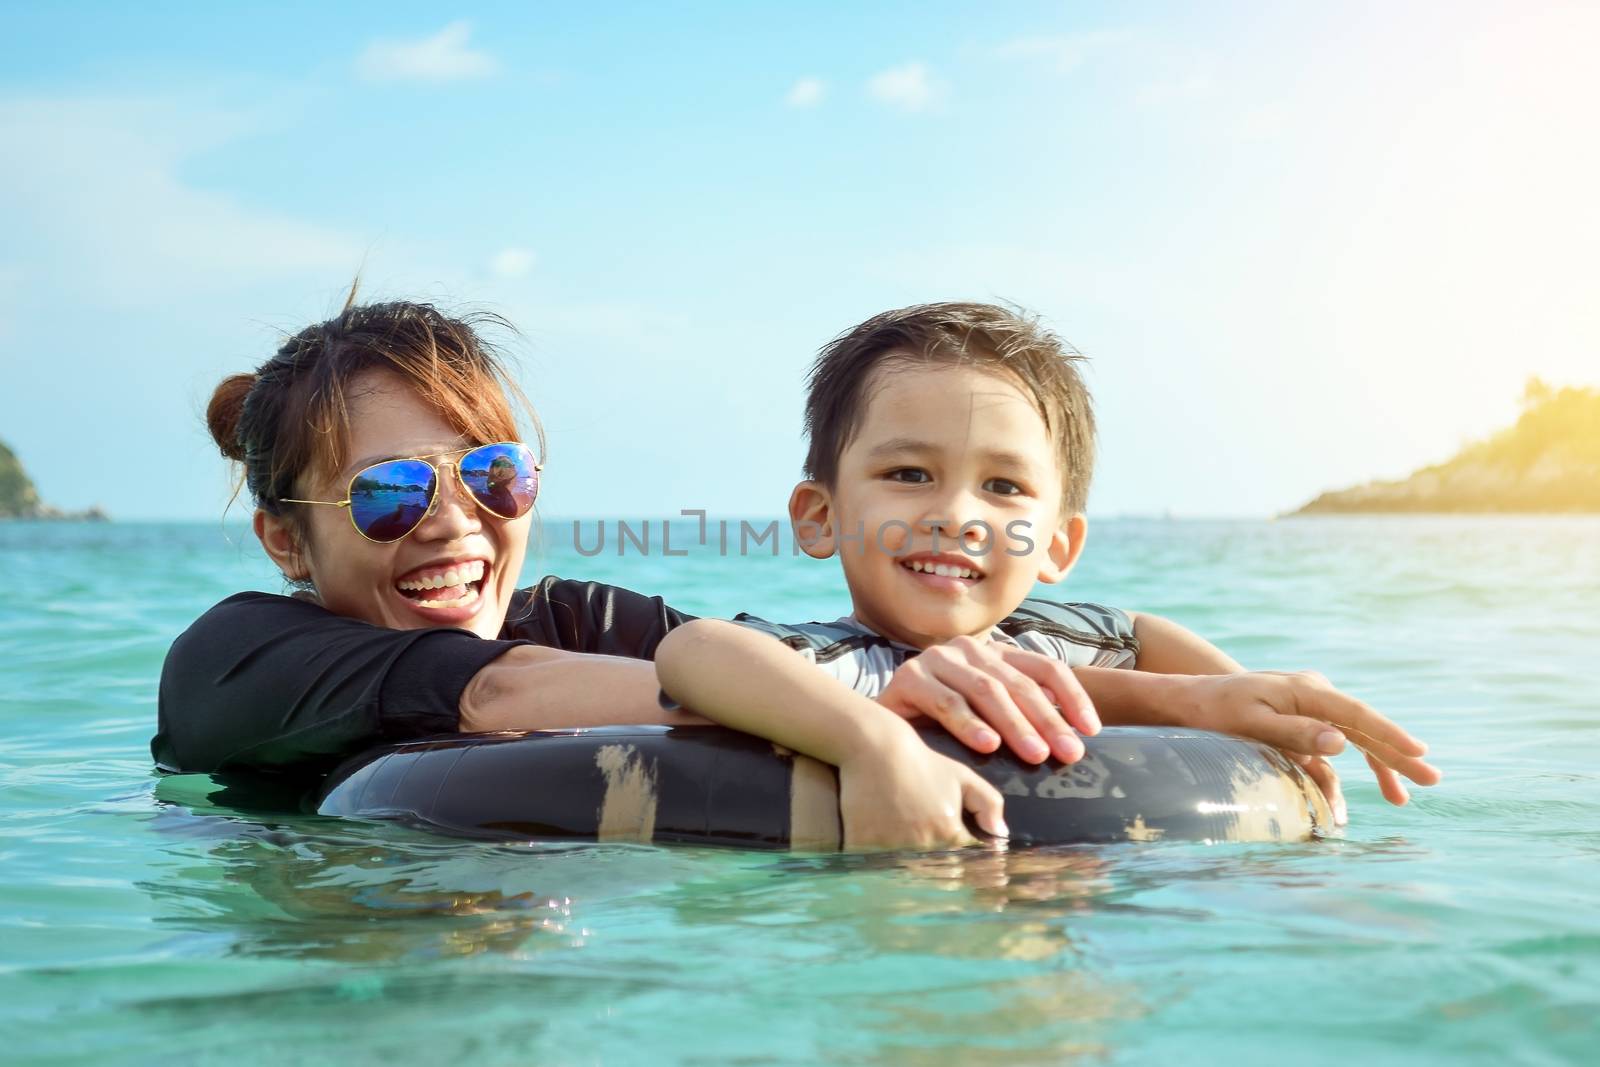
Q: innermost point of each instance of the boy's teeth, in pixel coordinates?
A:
(942, 570)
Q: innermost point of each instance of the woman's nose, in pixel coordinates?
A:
(454, 513)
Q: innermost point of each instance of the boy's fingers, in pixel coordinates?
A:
(1062, 684)
(1326, 778)
(1417, 770)
(1313, 737)
(1328, 722)
(989, 697)
(1292, 733)
(931, 697)
(1035, 703)
(1394, 791)
(1329, 719)
(1319, 700)
(988, 807)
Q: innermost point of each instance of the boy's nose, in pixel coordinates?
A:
(952, 520)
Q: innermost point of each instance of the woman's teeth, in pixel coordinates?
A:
(943, 570)
(461, 575)
(456, 586)
(461, 601)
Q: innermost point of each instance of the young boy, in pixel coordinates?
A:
(951, 447)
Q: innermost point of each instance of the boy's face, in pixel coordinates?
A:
(941, 448)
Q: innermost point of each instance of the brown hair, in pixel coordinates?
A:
(292, 415)
(980, 335)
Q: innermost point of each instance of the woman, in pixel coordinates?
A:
(391, 487)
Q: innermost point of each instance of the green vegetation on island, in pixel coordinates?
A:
(1548, 462)
(20, 500)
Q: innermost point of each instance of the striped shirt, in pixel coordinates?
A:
(1079, 635)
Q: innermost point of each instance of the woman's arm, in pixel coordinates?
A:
(272, 683)
(535, 688)
(590, 667)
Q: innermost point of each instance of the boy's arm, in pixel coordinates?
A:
(894, 791)
(1300, 713)
(1206, 690)
(1167, 648)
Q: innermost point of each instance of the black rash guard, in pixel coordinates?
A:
(273, 683)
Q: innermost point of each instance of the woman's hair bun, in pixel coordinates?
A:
(224, 412)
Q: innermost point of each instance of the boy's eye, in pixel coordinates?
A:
(909, 475)
(1003, 486)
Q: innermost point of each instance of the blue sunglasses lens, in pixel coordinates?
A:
(503, 477)
(389, 500)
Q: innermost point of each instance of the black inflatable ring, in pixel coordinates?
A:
(708, 785)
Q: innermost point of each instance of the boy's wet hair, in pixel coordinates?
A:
(1006, 340)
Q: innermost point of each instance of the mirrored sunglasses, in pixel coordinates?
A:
(389, 500)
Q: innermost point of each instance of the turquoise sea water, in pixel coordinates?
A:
(143, 927)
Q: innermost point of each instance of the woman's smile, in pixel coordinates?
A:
(445, 592)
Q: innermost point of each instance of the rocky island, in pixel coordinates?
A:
(20, 500)
(1547, 463)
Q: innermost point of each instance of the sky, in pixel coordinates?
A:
(1301, 245)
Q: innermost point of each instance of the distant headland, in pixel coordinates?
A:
(20, 500)
(1548, 462)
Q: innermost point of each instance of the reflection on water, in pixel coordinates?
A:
(317, 890)
(312, 888)
(359, 902)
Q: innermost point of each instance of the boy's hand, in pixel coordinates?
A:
(984, 692)
(1303, 714)
(902, 794)
(895, 791)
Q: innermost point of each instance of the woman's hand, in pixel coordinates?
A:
(902, 794)
(1303, 714)
(984, 693)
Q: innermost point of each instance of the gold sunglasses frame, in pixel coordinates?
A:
(438, 484)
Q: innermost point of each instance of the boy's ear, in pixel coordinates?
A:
(811, 517)
(281, 544)
(1066, 545)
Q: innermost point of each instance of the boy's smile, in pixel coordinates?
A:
(947, 505)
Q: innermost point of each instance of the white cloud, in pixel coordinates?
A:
(93, 197)
(806, 92)
(444, 57)
(1064, 51)
(907, 87)
(1173, 90)
(512, 262)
